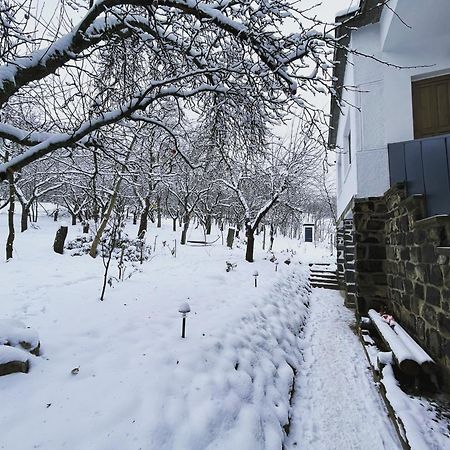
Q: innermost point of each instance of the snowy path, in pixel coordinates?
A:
(336, 405)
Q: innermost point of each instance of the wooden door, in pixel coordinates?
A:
(431, 106)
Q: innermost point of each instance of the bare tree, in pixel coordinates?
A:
(193, 48)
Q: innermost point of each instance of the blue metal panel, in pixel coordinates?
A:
(397, 163)
(414, 168)
(447, 141)
(436, 176)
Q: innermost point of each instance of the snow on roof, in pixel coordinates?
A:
(350, 10)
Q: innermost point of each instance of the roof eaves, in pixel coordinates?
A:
(368, 13)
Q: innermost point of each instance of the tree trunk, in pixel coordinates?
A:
(55, 216)
(34, 211)
(185, 229)
(230, 237)
(143, 222)
(264, 237)
(11, 234)
(158, 211)
(250, 244)
(271, 237)
(74, 218)
(208, 224)
(24, 219)
(101, 228)
(95, 213)
(174, 224)
(61, 234)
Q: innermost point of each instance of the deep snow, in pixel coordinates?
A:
(337, 405)
(137, 384)
(117, 375)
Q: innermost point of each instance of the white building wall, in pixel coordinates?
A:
(346, 173)
(383, 96)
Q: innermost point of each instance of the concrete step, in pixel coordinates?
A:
(330, 275)
(325, 286)
(332, 272)
(323, 281)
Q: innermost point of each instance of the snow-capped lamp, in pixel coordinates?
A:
(184, 309)
(255, 274)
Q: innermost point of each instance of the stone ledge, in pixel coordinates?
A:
(443, 251)
(409, 201)
(433, 221)
(395, 189)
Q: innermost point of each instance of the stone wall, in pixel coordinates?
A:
(418, 272)
(346, 262)
(370, 217)
(402, 265)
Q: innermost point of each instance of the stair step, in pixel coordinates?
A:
(322, 281)
(322, 271)
(325, 286)
(324, 274)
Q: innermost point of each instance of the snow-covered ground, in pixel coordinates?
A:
(139, 385)
(229, 384)
(336, 405)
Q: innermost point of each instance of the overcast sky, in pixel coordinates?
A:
(325, 10)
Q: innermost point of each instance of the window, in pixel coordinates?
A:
(349, 147)
(431, 106)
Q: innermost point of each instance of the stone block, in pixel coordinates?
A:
(375, 225)
(415, 255)
(442, 260)
(377, 252)
(428, 254)
(369, 266)
(433, 296)
(400, 239)
(409, 238)
(421, 273)
(419, 236)
(404, 254)
(381, 207)
(349, 276)
(420, 329)
(410, 270)
(445, 347)
(435, 275)
(419, 290)
(429, 314)
(406, 301)
(404, 224)
(444, 323)
(433, 340)
(415, 305)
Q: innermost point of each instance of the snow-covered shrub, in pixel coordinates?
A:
(134, 250)
(80, 245)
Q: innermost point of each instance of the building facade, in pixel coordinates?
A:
(391, 132)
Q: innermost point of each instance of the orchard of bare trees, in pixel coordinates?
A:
(155, 109)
